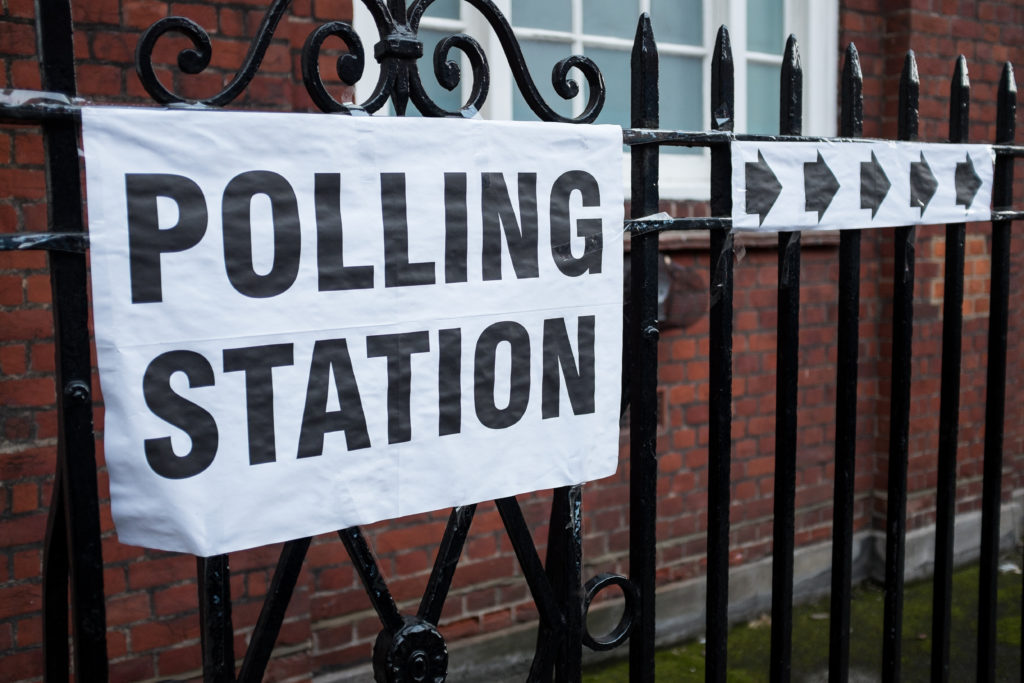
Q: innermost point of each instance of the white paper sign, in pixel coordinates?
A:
(836, 185)
(306, 322)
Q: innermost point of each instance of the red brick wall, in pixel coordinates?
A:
(151, 596)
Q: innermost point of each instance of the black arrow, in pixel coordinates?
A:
(763, 188)
(922, 183)
(820, 186)
(967, 183)
(874, 185)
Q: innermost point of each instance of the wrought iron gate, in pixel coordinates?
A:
(410, 647)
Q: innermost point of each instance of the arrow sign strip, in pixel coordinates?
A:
(968, 182)
(763, 188)
(820, 186)
(853, 184)
(922, 183)
(874, 185)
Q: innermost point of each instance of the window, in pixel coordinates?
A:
(549, 30)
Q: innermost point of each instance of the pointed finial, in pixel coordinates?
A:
(722, 83)
(644, 81)
(960, 78)
(791, 90)
(644, 47)
(910, 93)
(791, 55)
(852, 64)
(644, 31)
(959, 102)
(1006, 106)
(852, 89)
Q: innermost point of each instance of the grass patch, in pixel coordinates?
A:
(749, 643)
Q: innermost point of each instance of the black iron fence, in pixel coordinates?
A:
(410, 647)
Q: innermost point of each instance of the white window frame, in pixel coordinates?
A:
(682, 177)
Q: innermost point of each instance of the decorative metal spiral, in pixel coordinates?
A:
(196, 59)
(398, 51)
(349, 66)
(563, 85)
(449, 75)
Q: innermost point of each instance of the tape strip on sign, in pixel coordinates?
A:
(837, 185)
(306, 322)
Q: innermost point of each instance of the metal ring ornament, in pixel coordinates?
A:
(349, 66)
(617, 635)
(196, 59)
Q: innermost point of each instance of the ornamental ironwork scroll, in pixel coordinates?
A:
(398, 51)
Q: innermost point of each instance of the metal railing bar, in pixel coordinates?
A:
(56, 665)
(643, 226)
(949, 401)
(369, 574)
(275, 604)
(786, 373)
(36, 106)
(995, 386)
(643, 359)
(38, 113)
(639, 136)
(563, 565)
(76, 449)
(77, 242)
(899, 404)
(543, 592)
(696, 138)
(848, 341)
(448, 554)
(1006, 149)
(720, 371)
(217, 637)
(533, 570)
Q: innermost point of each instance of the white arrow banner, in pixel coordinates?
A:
(838, 185)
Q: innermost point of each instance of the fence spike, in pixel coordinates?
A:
(720, 369)
(792, 83)
(1006, 106)
(645, 75)
(722, 83)
(949, 406)
(787, 361)
(910, 94)
(642, 347)
(995, 383)
(852, 94)
(899, 404)
(848, 335)
(959, 101)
